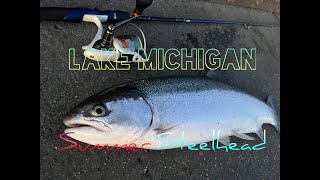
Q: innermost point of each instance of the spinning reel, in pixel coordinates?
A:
(108, 47)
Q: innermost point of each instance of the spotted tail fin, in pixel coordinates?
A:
(272, 102)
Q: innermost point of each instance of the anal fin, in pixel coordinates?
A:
(260, 133)
(225, 140)
(243, 136)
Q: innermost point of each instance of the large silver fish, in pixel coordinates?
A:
(160, 111)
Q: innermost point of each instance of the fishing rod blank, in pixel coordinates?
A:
(183, 20)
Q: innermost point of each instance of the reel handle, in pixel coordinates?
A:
(141, 5)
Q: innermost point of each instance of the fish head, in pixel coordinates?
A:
(109, 120)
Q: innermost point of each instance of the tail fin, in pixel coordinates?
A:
(272, 102)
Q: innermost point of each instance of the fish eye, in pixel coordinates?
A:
(98, 110)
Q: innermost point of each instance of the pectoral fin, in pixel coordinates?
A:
(163, 129)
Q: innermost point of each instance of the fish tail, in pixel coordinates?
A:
(272, 103)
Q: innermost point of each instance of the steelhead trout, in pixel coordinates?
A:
(159, 111)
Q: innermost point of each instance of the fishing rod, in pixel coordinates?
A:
(76, 15)
(183, 20)
(106, 46)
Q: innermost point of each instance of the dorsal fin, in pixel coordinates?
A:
(211, 74)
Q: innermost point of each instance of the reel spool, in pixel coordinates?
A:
(122, 45)
(129, 45)
(131, 42)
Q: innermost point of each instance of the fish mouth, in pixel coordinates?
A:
(80, 123)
